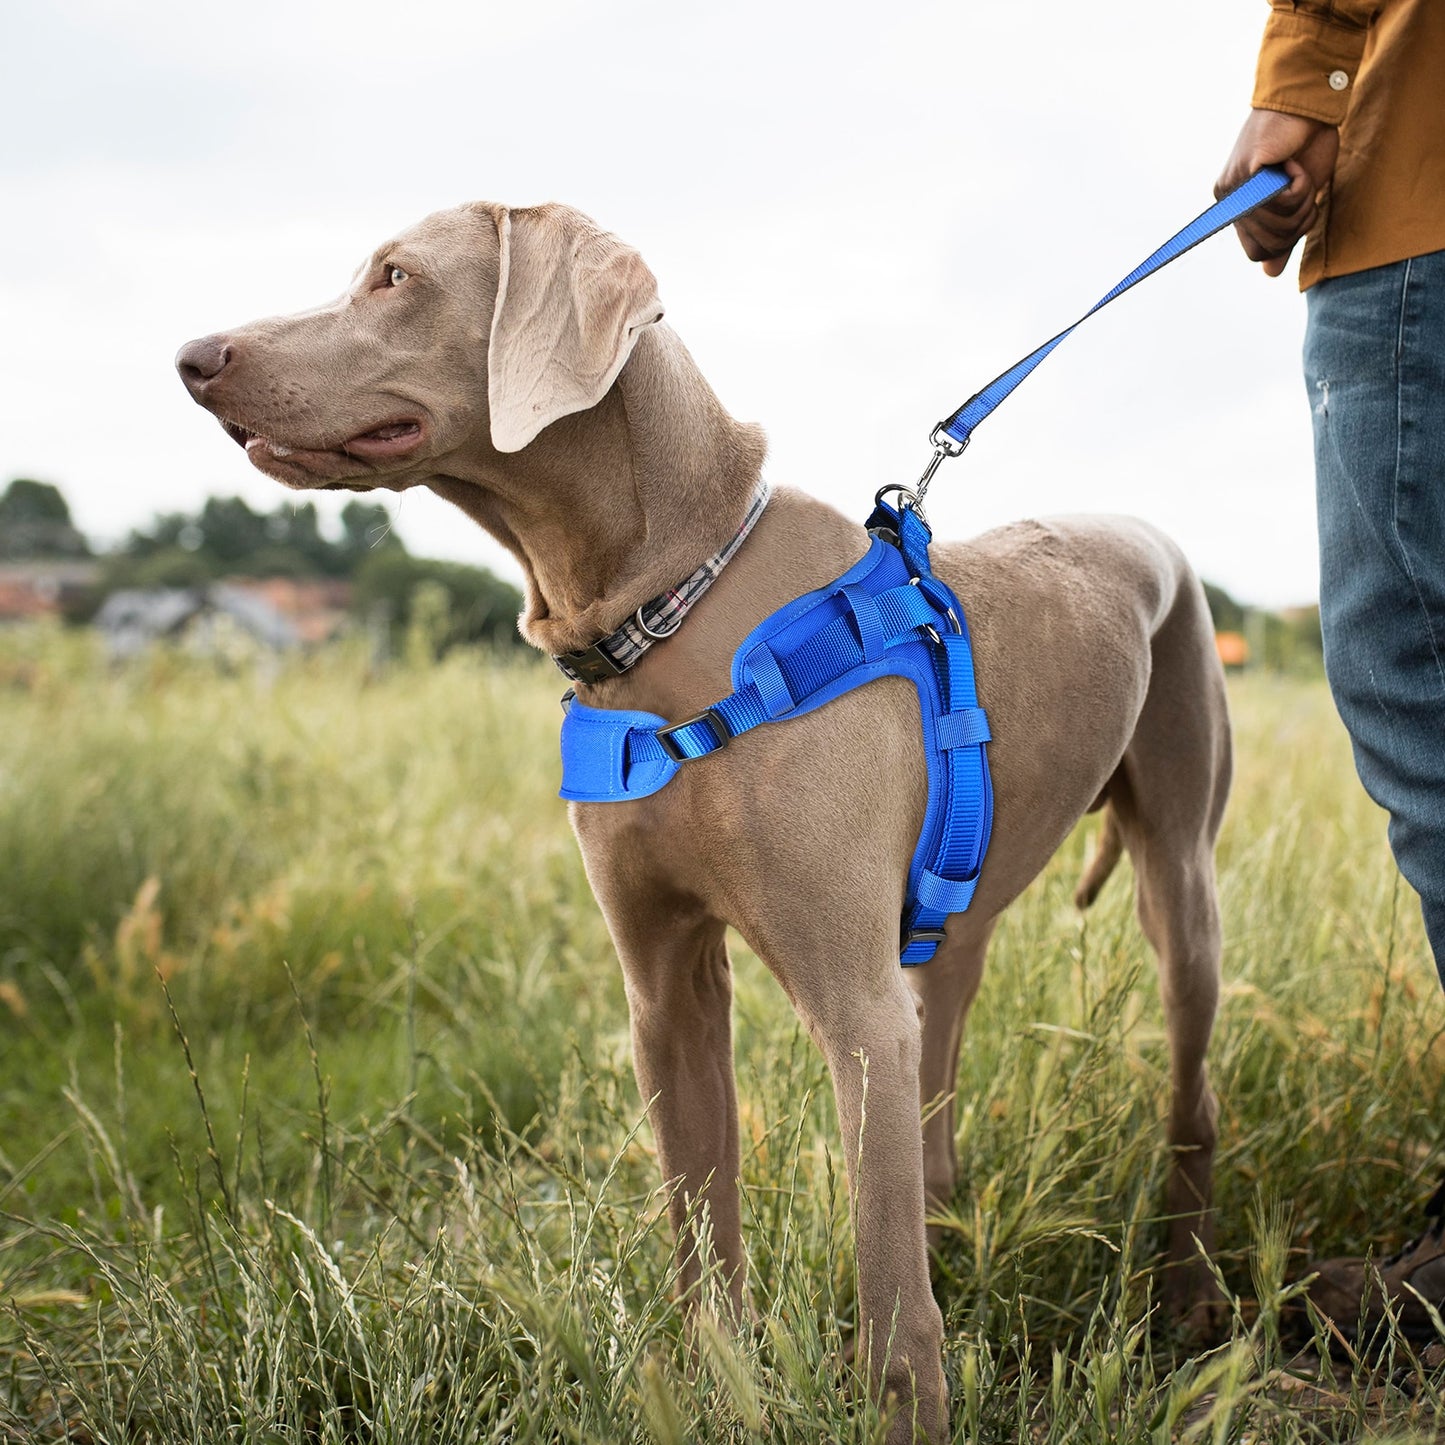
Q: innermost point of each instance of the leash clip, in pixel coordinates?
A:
(911, 498)
(944, 446)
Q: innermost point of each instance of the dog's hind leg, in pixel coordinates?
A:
(945, 988)
(1169, 797)
(1180, 916)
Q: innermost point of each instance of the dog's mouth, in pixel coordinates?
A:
(389, 442)
(391, 439)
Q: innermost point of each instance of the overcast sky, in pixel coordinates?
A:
(857, 216)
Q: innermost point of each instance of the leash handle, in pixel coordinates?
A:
(952, 434)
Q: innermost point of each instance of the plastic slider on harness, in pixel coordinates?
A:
(920, 935)
(887, 616)
(709, 717)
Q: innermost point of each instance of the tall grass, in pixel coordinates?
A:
(317, 1123)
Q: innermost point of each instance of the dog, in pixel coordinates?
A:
(515, 362)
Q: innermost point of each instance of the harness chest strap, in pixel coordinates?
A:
(887, 616)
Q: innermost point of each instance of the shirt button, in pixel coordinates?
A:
(1338, 80)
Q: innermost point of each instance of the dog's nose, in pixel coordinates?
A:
(201, 362)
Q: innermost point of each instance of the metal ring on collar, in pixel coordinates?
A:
(657, 636)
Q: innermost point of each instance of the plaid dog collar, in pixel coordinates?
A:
(657, 620)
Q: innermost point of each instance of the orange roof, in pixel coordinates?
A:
(20, 599)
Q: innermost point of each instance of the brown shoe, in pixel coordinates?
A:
(1353, 1292)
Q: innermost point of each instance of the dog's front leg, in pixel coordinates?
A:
(866, 1021)
(679, 995)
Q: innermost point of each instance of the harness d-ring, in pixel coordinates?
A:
(948, 612)
(907, 497)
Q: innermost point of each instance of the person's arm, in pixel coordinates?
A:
(1308, 64)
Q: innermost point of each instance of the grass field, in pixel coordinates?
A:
(317, 1122)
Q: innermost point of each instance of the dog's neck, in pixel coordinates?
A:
(609, 508)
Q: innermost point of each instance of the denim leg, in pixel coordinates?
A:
(1375, 368)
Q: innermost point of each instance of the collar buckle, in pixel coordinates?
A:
(589, 664)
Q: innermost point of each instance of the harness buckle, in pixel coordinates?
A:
(921, 935)
(711, 717)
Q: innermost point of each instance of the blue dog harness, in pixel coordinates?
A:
(886, 616)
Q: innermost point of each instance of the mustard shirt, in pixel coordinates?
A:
(1375, 68)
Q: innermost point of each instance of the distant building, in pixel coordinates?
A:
(272, 615)
(43, 587)
(317, 608)
(1232, 648)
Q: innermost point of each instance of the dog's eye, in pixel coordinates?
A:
(395, 276)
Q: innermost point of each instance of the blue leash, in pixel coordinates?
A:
(887, 615)
(953, 433)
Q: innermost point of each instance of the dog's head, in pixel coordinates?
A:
(478, 327)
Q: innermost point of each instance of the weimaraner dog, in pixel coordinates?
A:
(514, 362)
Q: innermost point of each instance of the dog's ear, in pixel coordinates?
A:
(571, 300)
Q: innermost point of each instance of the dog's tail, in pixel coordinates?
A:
(1106, 855)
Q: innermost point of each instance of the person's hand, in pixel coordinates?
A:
(1307, 150)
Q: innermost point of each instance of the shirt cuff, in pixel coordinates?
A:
(1307, 66)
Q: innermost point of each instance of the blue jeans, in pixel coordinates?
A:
(1375, 368)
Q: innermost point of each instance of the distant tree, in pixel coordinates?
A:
(1228, 615)
(1291, 642)
(35, 522)
(479, 607)
(166, 567)
(25, 500)
(366, 529)
(428, 623)
(1276, 641)
(1308, 634)
(228, 536)
(231, 532)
